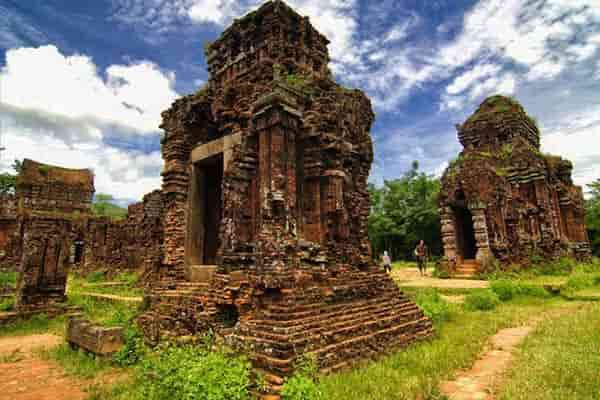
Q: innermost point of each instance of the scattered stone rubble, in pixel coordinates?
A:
(503, 199)
(266, 207)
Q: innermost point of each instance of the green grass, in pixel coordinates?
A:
(560, 360)
(403, 264)
(8, 279)
(77, 363)
(37, 324)
(104, 312)
(415, 373)
(92, 283)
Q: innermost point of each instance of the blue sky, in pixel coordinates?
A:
(82, 83)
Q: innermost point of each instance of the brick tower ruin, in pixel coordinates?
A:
(503, 198)
(52, 203)
(266, 207)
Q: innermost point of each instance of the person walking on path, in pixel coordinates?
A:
(421, 255)
(387, 262)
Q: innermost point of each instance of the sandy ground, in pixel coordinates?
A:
(24, 376)
(411, 277)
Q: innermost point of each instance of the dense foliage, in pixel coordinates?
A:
(593, 216)
(8, 181)
(103, 206)
(404, 211)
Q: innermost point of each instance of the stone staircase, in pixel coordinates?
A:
(467, 270)
(338, 332)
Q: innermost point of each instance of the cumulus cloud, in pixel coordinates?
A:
(63, 115)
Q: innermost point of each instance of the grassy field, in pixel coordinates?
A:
(561, 360)
(416, 372)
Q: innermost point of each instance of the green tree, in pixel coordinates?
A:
(104, 206)
(593, 216)
(404, 211)
(8, 181)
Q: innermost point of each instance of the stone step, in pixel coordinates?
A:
(324, 312)
(413, 330)
(305, 325)
(326, 328)
(284, 345)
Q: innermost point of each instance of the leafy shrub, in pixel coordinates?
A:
(433, 305)
(302, 384)
(96, 276)
(7, 304)
(504, 289)
(482, 300)
(182, 373)
(579, 281)
(561, 266)
(8, 279)
(133, 350)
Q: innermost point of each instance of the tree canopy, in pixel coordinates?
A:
(403, 212)
(8, 181)
(593, 216)
(103, 206)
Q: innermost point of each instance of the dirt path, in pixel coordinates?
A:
(411, 277)
(488, 372)
(24, 376)
(112, 297)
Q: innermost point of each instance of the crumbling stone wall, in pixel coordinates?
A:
(516, 200)
(134, 243)
(289, 216)
(10, 249)
(52, 206)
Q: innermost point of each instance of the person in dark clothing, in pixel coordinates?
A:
(421, 254)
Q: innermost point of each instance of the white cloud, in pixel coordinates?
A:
(63, 114)
(577, 137)
(121, 99)
(470, 77)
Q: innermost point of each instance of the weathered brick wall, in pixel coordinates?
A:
(10, 243)
(522, 202)
(134, 243)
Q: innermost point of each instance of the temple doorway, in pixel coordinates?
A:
(465, 233)
(205, 211)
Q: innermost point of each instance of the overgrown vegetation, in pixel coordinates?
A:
(8, 181)
(104, 206)
(592, 217)
(77, 363)
(415, 372)
(302, 385)
(404, 211)
(8, 279)
(484, 300)
(560, 360)
(433, 305)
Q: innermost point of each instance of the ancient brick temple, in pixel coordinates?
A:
(266, 207)
(503, 198)
(52, 202)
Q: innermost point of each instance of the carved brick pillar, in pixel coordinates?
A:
(276, 124)
(176, 177)
(448, 224)
(481, 232)
(335, 211)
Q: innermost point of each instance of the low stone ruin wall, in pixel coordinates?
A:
(99, 340)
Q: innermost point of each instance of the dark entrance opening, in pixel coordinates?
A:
(78, 251)
(205, 211)
(465, 233)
